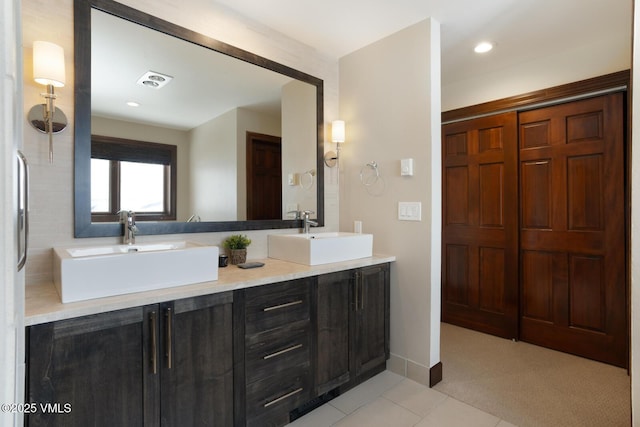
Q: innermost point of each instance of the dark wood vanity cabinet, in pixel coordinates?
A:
(248, 357)
(334, 313)
(197, 362)
(276, 345)
(352, 326)
(167, 364)
(370, 332)
(94, 366)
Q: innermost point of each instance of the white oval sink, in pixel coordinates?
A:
(83, 273)
(320, 248)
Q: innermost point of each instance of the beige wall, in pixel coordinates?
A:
(389, 99)
(213, 160)
(298, 154)
(52, 184)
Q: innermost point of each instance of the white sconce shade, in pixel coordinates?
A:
(337, 131)
(48, 64)
(337, 136)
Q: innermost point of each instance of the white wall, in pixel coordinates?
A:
(52, 185)
(11, 282)
(390, 101)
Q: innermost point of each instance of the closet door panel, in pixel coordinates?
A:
(480, 227)
(572, 208)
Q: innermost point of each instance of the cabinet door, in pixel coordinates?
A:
(334, 299)
(197, 361)
(95, 371)
(371, 332)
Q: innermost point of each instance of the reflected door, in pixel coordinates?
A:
(264, 177)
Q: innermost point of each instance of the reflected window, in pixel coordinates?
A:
(132, 175)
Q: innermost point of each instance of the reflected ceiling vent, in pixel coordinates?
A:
(154, 80)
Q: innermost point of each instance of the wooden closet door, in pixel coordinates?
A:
(573, 292)
(480, 224)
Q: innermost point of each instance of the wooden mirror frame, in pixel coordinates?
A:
(83, 227)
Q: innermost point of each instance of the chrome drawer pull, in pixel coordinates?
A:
(273, 402)
(289, 304)
(286, 350)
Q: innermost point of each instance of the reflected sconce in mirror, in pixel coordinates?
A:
(331, 158)
(48, 69)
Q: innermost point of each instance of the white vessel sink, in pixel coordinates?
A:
(320, 248)
(83, 273)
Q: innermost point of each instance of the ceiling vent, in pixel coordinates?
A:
(154, 80)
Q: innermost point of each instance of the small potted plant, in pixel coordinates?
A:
(237, 247)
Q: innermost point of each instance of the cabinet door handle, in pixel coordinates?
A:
(288, 304)
(23, 209)
(168, 344)
(153, 325)
(281, 398)
(286, 350)
(357, 286)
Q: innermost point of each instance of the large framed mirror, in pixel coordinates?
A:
(214, 137)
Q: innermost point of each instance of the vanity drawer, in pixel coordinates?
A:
(276, 352)
(270, 400)
(273, 306)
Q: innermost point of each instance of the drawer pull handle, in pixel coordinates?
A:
(288, 304)
(286, 350)
(281, 398)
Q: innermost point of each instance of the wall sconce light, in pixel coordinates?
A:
(48, 69)
(338, 136)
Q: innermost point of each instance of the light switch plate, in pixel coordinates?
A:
(406, 167)
(410, 211)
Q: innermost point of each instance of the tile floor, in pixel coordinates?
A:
(389, 399)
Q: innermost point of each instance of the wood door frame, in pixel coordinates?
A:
(619, 81)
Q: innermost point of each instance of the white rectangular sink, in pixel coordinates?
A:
(83, 273)
(320, 248)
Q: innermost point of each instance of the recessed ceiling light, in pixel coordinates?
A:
(133, 104)
(483, 47)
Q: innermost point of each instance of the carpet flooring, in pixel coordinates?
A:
(532, 386)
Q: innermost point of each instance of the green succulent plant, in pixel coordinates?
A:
(236, 241)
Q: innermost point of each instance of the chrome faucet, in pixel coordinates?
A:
(307, 222)
(128, 221)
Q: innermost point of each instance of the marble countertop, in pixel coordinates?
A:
(43, 304)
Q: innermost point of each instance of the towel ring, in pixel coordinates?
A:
(369, 174)
(310, 173)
